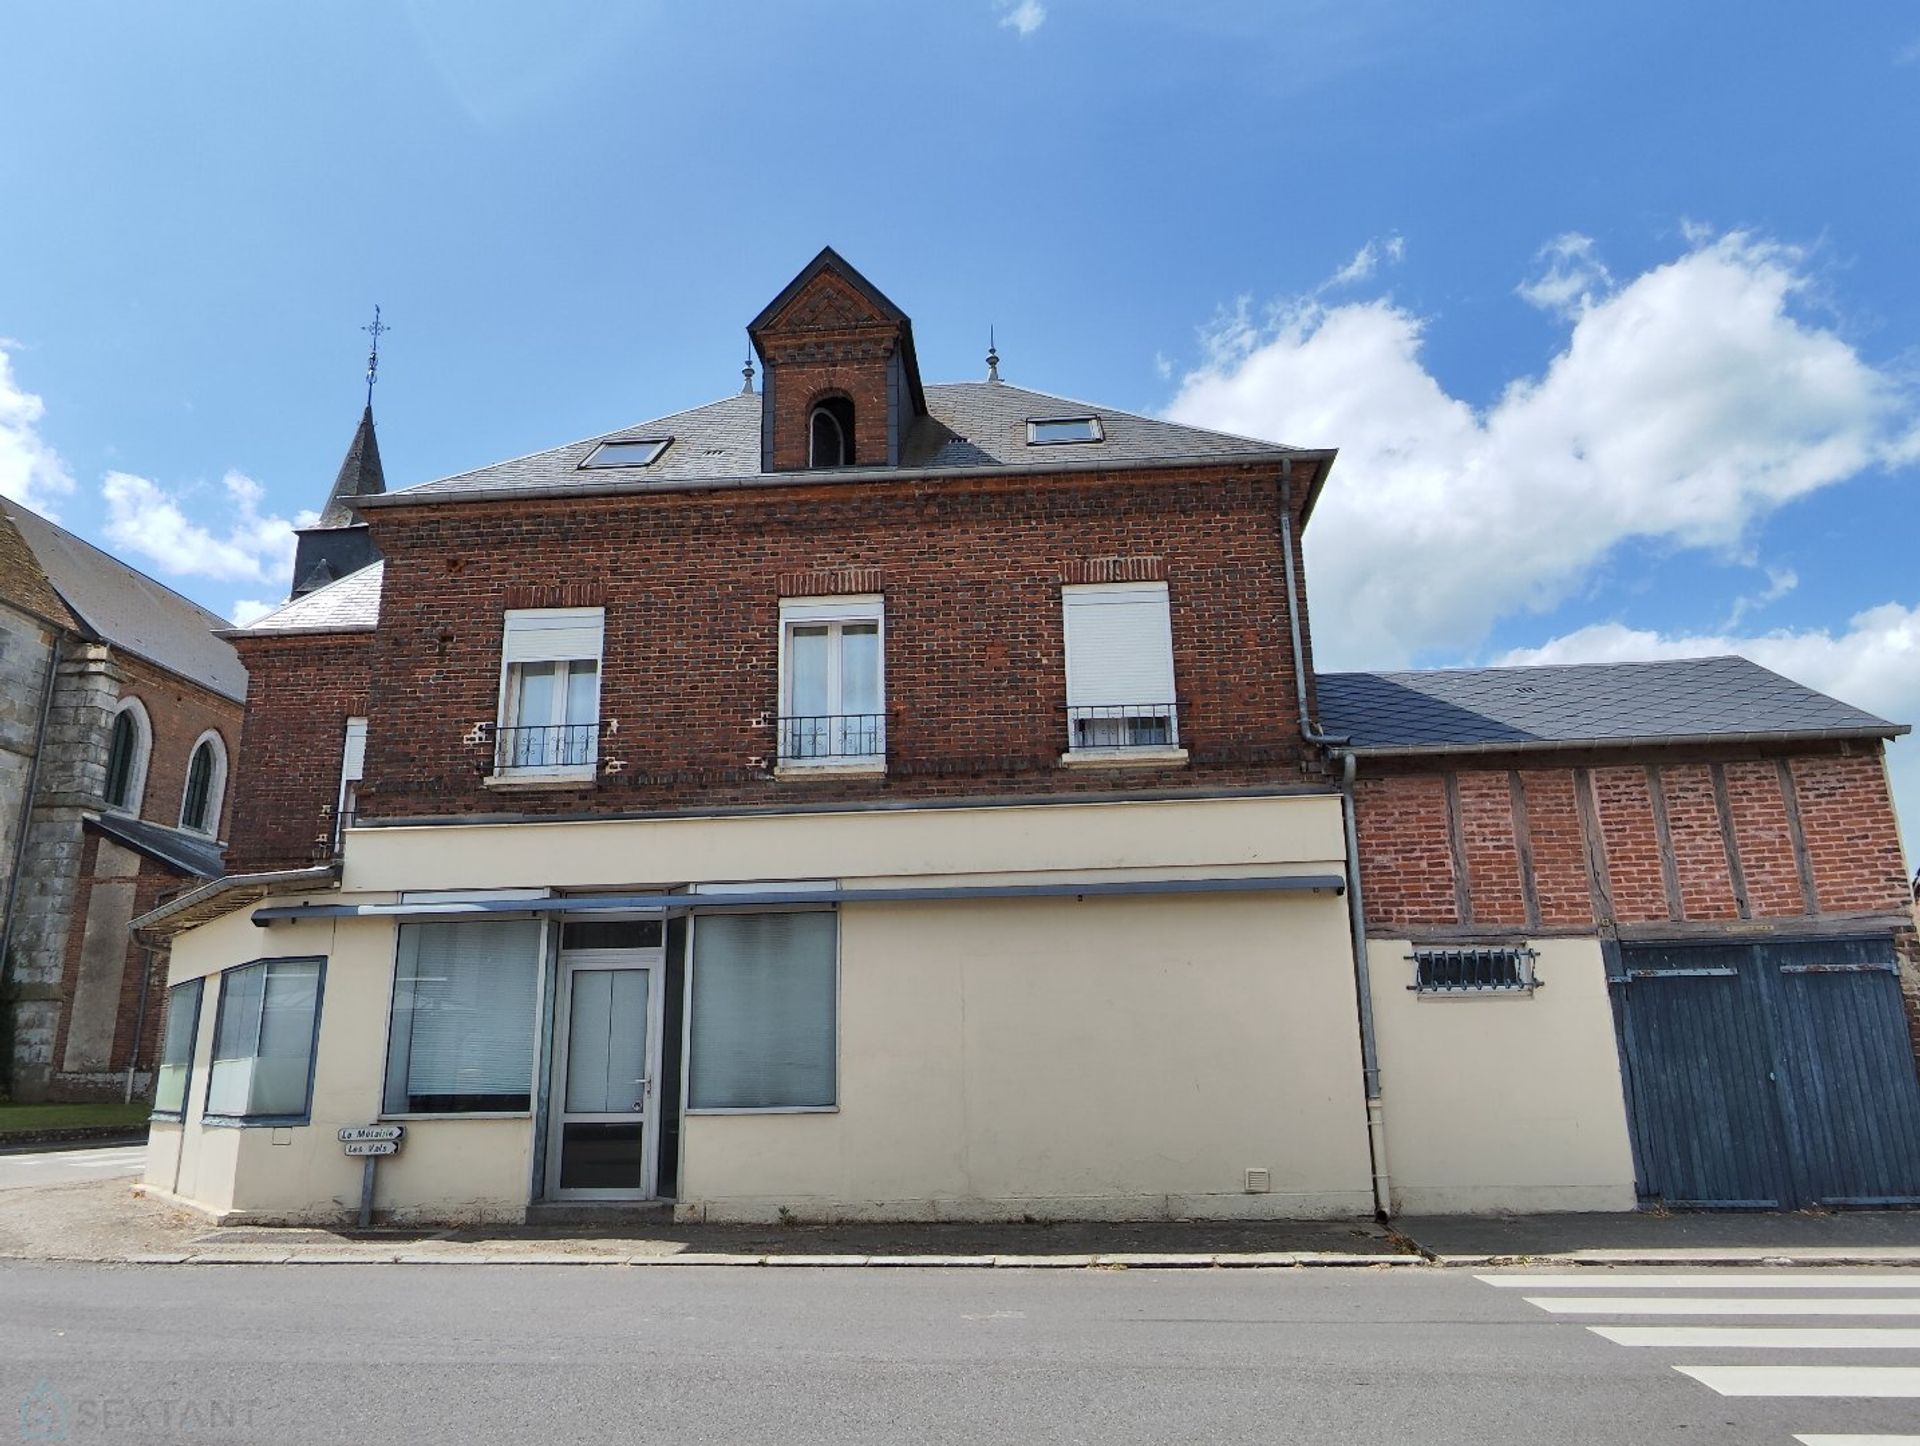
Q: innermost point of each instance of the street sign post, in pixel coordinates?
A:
(369, 1143)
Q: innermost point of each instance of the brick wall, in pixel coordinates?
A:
(828, 341)
(152, 884)
(180, 713)
(1698, 840)
(301, 691)
(970, 569)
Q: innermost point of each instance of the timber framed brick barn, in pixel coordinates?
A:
(860, 797)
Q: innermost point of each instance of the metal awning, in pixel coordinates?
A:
(775, 895)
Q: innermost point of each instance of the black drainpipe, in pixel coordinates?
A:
(1356, 905)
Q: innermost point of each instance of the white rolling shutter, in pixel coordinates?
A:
(553, 635)
(1119, 645)
(353, 759)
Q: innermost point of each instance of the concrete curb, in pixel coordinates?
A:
(1133, 1260)
(1806, 1256)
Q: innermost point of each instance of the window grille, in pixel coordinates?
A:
(1473, 971)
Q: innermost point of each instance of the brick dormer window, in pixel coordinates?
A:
(830, 433)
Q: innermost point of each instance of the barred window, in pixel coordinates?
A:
(1473, 971)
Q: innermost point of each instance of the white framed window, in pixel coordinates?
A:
(129, 743)
(465, 1008)
(833, 681)
(763, 1012)
(1119, 650)
(550, 692)
(206, 784)
(353, 767)
(263, 1039)
(176, 1049)
(1051, 431)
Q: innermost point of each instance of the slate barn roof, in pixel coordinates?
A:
(1463, 710)
(970, 425)
(129, 609)
(348, 606)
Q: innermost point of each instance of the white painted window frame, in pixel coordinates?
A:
(1172, 752)
(216, 784)
(142, 754)
(353, 768)
(506, 709)
(832, 612)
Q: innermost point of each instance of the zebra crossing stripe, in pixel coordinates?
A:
(1719, 1305)
(1873, 1382)
(1813, 1338)
(1708, 1280)
(1858, 1440)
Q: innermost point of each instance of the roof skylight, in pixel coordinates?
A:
(1047, 431)
(627, 454)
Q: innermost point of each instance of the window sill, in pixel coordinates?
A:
(716, 1110)
(831, 768)
(255, 1122)
(462, 1115)
(1124, 758)
(1503, 991)
(535, 778)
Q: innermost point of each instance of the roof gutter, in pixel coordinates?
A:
(1639, 740)
(413, 497)
(150, 927)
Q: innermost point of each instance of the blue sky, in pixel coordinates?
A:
(1611, 310)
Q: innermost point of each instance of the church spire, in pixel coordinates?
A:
(337, 544)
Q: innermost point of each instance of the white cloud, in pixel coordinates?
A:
(31, 472)
(1686, 404)
(1874, 664)
(246, 611)
(145, 518)
(1025, 16)
(1573, 276)
(1366, 261)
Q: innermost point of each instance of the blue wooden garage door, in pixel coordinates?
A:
(1769, 1076)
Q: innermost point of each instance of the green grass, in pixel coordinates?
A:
(16, 1119)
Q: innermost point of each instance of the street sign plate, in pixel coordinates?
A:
(371, 1132)
(373, 1147)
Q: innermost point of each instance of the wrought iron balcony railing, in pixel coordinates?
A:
(548, 746)
(1092, 727)
(833, 736)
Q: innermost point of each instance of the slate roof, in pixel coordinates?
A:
(360, 475)
(350, 605)
(1593, 704)
(180, 850)
(969, 425)
(130, 610)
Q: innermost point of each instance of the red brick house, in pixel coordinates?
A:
(862, 796)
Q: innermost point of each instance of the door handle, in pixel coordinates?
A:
(646, 1088)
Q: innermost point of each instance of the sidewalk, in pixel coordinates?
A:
(105, 1221)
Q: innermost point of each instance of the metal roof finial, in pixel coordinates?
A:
(746, 373)
(993, 356)
(374, 330)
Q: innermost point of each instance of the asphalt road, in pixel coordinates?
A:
(68, 1167)
(464, 1354)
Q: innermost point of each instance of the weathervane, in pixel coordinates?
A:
(374, 329)
(993, 357)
